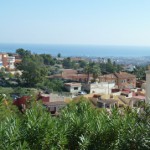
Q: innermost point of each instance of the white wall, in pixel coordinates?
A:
(11, 61)
(148, 86)
(72, 90)
(101, 88)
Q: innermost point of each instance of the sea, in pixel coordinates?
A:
(80, 50)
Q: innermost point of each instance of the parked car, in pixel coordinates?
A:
(82, 93)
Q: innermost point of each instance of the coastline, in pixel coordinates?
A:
(80, 50)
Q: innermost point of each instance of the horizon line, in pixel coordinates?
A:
(76, 44)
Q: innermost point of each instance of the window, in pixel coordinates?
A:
(123, 81)
(75, 88)
(129, 81)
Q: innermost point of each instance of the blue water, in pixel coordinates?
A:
(80, 50)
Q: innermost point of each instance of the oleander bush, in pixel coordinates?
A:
(80, 126)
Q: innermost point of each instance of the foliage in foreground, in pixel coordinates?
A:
(79, 127)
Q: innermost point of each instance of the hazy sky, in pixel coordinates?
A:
(102, 22)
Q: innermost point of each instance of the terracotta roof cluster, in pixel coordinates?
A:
(124, 75)
(71, 74)
(69, 71)
(118, 75)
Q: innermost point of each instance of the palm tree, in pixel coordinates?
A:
(94, 69)
(88, 70)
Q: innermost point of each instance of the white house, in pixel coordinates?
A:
(73, 88)
(11, 62)
(1, 64)
(148, 86)
(99, 88)
(129, 68)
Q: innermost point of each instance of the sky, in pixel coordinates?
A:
(95, 22)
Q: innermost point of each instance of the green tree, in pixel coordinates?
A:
(119, 68)
(139, 71)
(51, 85)
(33, 70)
(67, 64)
(94, 69)
(88, 70)
(82, 63)
(109, 66)
(80, 126)
(58, 55)
(23, 53)
(2, 73)
(47, 59)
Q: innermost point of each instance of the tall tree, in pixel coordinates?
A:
(139, 71)
(67, 63)
(58, 55)
(47, 59)
(94, 69)
(82, 63)
(109, 66)
(23, 53)
(88, 70)
(33, 70)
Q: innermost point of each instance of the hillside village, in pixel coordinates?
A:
(74, 75)
(106, 90)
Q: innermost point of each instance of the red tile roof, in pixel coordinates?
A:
(124, 75)
(21, 100)
(69, 71)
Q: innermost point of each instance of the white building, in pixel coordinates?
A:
(99, 88)
(148, 86)
(129, 68)
(1, 63)
(11, 62)
(73, 88)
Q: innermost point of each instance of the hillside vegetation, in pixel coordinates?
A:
(79, 126)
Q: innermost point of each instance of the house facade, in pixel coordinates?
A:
(7, 62)
(108, 103)
(99, 88)
(4, 59)
(148, 86)
(125, 80)
(73, 88)
(11, 62)
(1, 63)
(111, 78)
(122, 80)
(54, 107)
(72, 75)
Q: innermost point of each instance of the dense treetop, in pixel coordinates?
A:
(79, 126)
